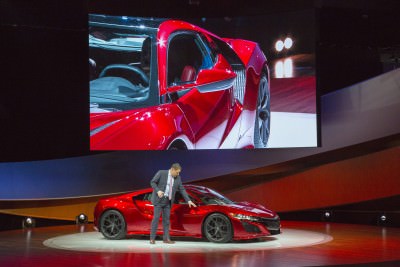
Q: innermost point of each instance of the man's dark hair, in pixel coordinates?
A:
(176, 166)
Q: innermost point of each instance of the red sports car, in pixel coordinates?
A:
(159, 84)
(215, 218)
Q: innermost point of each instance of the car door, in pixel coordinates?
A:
(205, 99)
(185, 220)
(143, 218)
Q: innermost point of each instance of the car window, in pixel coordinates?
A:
(187, 55)
(143, 197)
(220, 47)
(211, 197)
(120, 64)
(210, 46)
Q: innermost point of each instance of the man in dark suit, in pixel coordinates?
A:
(165, 184)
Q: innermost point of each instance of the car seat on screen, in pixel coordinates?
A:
(188, 74)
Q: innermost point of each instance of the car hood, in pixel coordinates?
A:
(251, 209)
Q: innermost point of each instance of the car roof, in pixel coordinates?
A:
(195, 187)
(191, 187)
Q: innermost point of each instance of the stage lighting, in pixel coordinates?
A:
(327, 215)
(28, 222)
(81, 219)
(382, 219)
(279, 45)
(288, 43)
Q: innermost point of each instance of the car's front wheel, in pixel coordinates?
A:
(263, 114)
(217, 228)
(112, 225)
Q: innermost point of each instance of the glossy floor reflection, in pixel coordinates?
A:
(350, 244)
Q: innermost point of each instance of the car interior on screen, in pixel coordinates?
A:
(119, 69)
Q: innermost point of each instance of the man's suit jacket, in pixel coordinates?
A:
(159, 183)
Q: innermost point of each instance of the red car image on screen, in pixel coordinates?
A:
(159, 84)
(215, 218)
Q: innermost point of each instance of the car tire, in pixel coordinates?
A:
(177, 145)
(112, 225)
(263, 114)
(217, 228)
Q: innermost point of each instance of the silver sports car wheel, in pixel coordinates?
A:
(112, 225)
(218, 228)
(263, 115)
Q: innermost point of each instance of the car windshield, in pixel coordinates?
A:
(210, 197)
(120, 68)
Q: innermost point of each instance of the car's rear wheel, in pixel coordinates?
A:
(112, 225)
(177, 145)
(263, 115)
(217, 228)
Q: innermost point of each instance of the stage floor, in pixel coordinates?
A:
(300, 244)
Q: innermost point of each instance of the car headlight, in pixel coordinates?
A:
(244, 217)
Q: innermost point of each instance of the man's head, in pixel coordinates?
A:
(175, 169)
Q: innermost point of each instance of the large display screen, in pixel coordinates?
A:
(206, 83)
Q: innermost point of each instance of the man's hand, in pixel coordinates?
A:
(191, 204)
(160, 194)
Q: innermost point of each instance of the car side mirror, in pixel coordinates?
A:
(214, 80)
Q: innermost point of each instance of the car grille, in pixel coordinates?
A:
(250, 228)
(271, 223)
(239, 84)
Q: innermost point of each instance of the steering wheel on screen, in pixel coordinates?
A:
(125, 67)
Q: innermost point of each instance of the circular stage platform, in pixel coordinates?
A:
(300, 244)
(95, 242)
